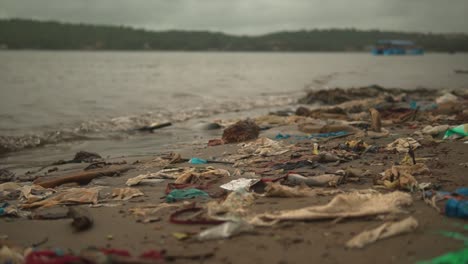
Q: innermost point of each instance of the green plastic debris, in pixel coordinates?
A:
(176, 195)
(458, 131)
(455, 235)
(449, 258)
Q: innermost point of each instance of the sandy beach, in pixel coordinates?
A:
(340, 140)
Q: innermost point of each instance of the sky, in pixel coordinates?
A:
(251, 17)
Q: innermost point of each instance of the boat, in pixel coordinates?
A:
(397, 47)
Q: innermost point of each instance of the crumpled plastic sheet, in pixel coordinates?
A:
(435, 130)
(34, 193)
(233, 207)
(145, 178)
(9, 186)
(226, 230)
(349, 205)
(402, 176)
(383, 231)
(199, 177)
(275, 189)
(263, 147)
(457, 132)
(8, 210)
(320, 180)
(241, 183)
(9, 255)
(126, 194)
(177, 195)
(402, 145)
(68, 196)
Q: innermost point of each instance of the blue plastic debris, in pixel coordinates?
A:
(280, 136)
(423, 106)
(457, 203)
(197, 161)
(456, 208)
(329, 134)
(2, 208)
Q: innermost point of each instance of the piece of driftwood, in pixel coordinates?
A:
(376, 124)
(82, 177)
(153, 127)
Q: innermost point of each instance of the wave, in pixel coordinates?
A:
(123, 126)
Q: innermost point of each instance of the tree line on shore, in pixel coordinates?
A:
(50, 35)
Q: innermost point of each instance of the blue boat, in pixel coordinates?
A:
(396, 47)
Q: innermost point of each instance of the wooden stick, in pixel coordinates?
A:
(82, 177)
(151, 128)
(376, 124)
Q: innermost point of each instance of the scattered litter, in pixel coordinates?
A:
(435, 130)
(180, 235)
(402, 145)
(149, 178)
(200, 176)
(274, 189)
(446, 98)
(349, 205)
(197, 161)
(68, 196)
(457, 132)
(457, 208)
(151, 213)
(33, 193)
(225, 230)
(126, 194)
(7, 209)
(263, 147)
(402, 176)
(321, 180)
(307, 159)
(10, 256)
(241, 183)
(233, 207)
(383, 231)
(177, 195)
(280, 136)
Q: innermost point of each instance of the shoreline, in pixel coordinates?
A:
(288, 241)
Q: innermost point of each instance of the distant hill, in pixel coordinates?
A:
(30, 34)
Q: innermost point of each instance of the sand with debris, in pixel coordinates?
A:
(142, 222)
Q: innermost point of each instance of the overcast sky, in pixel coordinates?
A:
(251, 16)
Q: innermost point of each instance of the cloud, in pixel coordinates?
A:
(251, 16)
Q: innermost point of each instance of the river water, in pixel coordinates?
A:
(55, 103)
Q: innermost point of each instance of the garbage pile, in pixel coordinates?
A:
(365, 151)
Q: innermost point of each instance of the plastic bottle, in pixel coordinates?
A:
(456, 208)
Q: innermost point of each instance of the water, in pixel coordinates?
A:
(54, 103)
